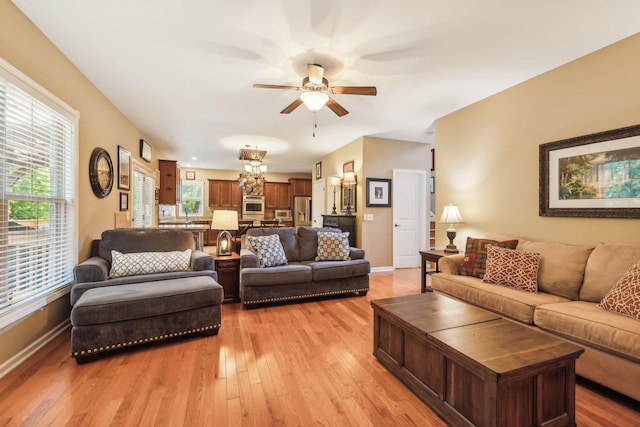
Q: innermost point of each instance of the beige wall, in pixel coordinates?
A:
(375, 158)
(101, 125)
(487, 153)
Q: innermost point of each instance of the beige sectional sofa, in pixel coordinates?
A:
(572, 280)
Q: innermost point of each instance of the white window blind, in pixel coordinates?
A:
(38, 236)
(143, 199)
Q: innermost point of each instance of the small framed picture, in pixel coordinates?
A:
(190, 175)
(378, 193)
(348, 167)
(124, 168)
(318, 170)
(145, 150)
(124, 201)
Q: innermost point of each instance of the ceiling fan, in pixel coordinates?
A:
(315, 92)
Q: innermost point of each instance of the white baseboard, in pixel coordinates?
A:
(382, 269)
(27, 352)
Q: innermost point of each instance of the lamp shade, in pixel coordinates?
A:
(349, 178)
(314, 100)
(451, 215)
(224, 220)
(334, 181)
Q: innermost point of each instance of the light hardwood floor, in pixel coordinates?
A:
(297, 364)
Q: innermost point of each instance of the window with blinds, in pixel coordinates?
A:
(38, 236)
(144, 186)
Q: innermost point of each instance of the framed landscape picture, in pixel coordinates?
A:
(124, 168)
(595, 175)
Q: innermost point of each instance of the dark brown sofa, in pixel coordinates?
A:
(302, 276)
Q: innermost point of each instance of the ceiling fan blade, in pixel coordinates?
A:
(295, 104)
(316, 73)
(355, 90)
(336, 108)
(260, 86)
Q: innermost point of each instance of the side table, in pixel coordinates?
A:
(228, 269)
(429, 256)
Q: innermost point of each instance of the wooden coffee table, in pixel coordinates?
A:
(472, 366)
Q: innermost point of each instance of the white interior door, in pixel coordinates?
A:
(318, 202)
(410, 201)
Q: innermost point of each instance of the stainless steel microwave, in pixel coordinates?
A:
(282, 214)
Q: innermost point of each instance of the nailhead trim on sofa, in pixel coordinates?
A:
(313, 295)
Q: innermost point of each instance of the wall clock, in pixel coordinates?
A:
(101, 172)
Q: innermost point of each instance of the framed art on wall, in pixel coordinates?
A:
(348, 167)
(124, 201)
(190, 175)
(318, 170)
(378, 193)
(124, 168)
(145, 150)
(596, 175)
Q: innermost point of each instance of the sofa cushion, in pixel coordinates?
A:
(127, 241)
(125, 302)
(330, 270)
(624, 297)
(511, 268)
(505, 301)
(308, 241)
(605, 266)
(561, 268)
(333, 246)
(287, 237)
(273, 276)
(584, 322)
(475, 255)
(133, 264)
(269, 250)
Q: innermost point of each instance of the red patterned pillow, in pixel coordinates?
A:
(475, 255)
(511, 268)
(624, 296)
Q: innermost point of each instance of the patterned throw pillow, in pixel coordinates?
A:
(269, 250)
(511, 268)
(148, 262)
(624, 296)
(333, 246)
(475, 255)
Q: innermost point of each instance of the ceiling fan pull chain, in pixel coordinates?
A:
(315, 124)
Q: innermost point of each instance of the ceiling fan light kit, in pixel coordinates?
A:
(315, 93)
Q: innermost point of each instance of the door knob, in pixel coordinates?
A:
(396, 225)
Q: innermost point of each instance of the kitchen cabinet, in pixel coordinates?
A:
(277, 195)
(301, 187)
(169, 193)
(224, 193)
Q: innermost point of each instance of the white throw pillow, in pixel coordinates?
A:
(269, 250)
(148, 262)
(333, 246)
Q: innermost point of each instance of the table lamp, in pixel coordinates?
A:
(334, 181)
(451, 215)
(224, 220)
(348, 182)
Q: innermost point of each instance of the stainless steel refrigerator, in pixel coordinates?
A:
(301, 211)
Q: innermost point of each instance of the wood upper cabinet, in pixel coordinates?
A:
(277, 195)
(301, 187)
(169, 193)
(224, 193)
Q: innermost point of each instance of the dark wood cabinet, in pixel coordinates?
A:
(228, 269)
(277, 195)
(344, 223)
(301, 187)
(224, 193)
(169, 193)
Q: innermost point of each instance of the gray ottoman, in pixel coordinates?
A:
(118, 316)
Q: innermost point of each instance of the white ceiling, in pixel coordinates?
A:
(182, 71)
